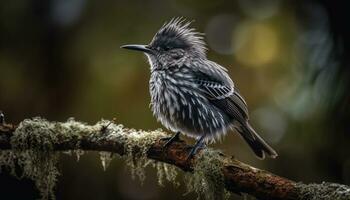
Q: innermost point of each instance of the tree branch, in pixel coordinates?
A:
(237, 176)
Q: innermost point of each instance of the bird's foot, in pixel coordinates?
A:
(170, 140)
(199, 145)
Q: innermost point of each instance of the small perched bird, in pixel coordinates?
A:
(193, 95)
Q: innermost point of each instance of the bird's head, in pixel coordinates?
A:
(173, 44)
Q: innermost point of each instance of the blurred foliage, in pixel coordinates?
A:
(290, 60)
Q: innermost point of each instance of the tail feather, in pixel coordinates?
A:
(256, 143)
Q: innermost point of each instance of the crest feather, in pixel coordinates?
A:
(178, 33)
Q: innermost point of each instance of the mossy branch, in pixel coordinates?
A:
(213, 171)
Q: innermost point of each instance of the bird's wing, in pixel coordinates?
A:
(213, 80)
(218, 87)
(214, 89)
(238, 100)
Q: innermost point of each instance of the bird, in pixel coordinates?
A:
(193, 95)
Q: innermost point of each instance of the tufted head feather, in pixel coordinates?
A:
(177, 33)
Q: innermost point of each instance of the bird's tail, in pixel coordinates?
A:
(256, 143)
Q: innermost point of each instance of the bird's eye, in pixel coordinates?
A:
(166, 48)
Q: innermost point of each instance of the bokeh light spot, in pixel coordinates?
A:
(272, 122)
(259, 9)
(260, 44)
(219, 33)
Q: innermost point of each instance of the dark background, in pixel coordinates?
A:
(290, 60)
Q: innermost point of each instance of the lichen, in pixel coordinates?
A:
(34, 141)
(33, 151)
(7, 161)
(166, 172)
(136, 144)
(106, 158)
(78, 153)
(207, 179)
(323, 191)
(37, 166)
(32, 144)
(141, 141)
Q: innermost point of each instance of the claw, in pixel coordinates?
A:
(199, 144)
(172, 139)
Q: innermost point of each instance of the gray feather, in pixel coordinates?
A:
(191, 94)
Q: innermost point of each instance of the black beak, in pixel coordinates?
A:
(137, 47)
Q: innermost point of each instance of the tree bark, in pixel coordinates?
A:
(238, 177)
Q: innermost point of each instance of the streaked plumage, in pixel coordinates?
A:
(191, 94)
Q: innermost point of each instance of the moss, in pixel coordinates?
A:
(136, 144)
(37, 166)
(207, 179)
(7, 161)
(166, 172)
(323, 191)
(32, 150)
(39, 163)
(106, 158)
(77, 153)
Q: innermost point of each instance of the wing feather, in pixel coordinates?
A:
(216, 84)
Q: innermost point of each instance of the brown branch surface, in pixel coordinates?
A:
(238, 177)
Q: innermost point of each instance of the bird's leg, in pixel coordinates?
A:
(195, 148)
(175, 137)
